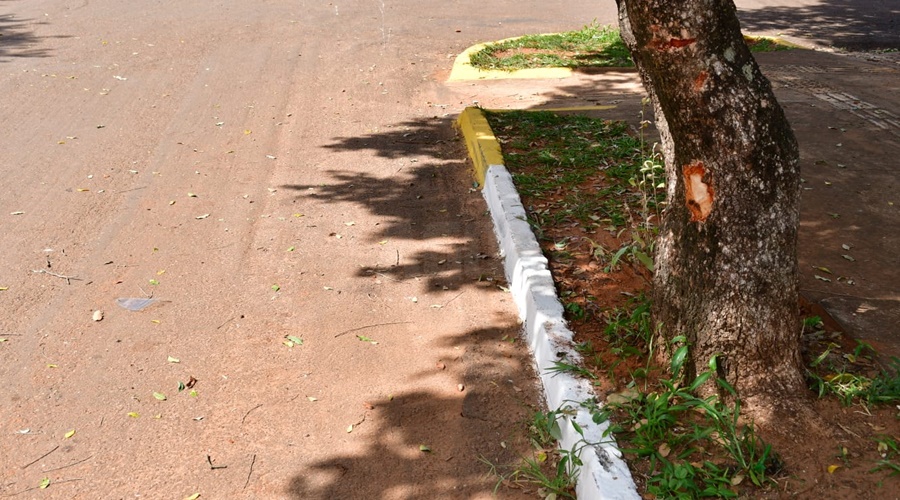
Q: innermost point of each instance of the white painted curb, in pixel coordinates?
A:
(604, 474)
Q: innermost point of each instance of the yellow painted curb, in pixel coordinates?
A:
(484, 149)
(464, 71)
(480, 141)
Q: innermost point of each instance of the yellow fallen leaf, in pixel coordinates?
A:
(69, 434)
(832, 468)
(134, 414)
(195, 496)
(4, 288)
(52, 366)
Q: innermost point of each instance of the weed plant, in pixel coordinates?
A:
(683, 438)
(552, 470)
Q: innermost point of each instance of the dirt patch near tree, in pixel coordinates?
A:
(848, 449)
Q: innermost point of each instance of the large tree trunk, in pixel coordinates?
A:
(726, 266)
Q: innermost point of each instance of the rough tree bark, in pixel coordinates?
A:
(726, 268)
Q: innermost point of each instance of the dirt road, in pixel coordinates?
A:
(266, 172)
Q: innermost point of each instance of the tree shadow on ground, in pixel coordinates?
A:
(17, 39)
(846, 24)
(427, 197)
(487, 421)
(418, 184)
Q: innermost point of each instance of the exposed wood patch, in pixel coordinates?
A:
(698, 195)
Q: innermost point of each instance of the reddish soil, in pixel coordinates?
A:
(265, 170)
(843, 436)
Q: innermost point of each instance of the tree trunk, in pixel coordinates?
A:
(726, 266)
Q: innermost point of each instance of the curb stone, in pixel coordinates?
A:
(604, 474)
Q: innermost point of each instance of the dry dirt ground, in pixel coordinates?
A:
(262, 170)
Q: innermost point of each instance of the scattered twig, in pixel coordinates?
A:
(71, 464)
(248, 412)
(249, 473)
(214, 467)
(68, 480)
(229, 320)
(454, 298)
(51, 273)
(371, 326)
(848, 431)
(132, 189)
(38, 459)
(398, 258)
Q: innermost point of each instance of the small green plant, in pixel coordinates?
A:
(631, 325)
(575, 311)
(544, 429)
(557, 481)
(889, 450)
(850, 387)
(673, 430)
(563, 367)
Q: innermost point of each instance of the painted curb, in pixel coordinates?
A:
(604, 475)
(480, 141)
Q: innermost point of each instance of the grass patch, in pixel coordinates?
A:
(765, 44)
(850, 375)
(593, 46)
(581, 165)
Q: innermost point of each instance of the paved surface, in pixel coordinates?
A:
(317, 139)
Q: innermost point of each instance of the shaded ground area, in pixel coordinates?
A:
(851, 25)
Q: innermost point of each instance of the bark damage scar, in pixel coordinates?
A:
(671, 43)
(698, 195)
(700, 80)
